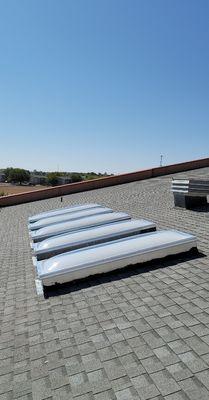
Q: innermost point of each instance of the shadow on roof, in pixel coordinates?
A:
(124, 273)
(203, 208)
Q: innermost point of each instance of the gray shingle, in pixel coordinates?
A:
(192, 361)
(133, 334)
(145, 387)
(165, 382)
(194, 389)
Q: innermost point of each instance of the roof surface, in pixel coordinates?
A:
(142, 333)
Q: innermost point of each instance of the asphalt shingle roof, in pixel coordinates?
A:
(141, 333)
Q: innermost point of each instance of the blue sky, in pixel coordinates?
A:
(103, 85)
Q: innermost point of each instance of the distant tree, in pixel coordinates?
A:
(14, 175)
(17, 175)
(76, 177)
(91, 175)
(35, 172)
(52, 178)
(7, 172)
